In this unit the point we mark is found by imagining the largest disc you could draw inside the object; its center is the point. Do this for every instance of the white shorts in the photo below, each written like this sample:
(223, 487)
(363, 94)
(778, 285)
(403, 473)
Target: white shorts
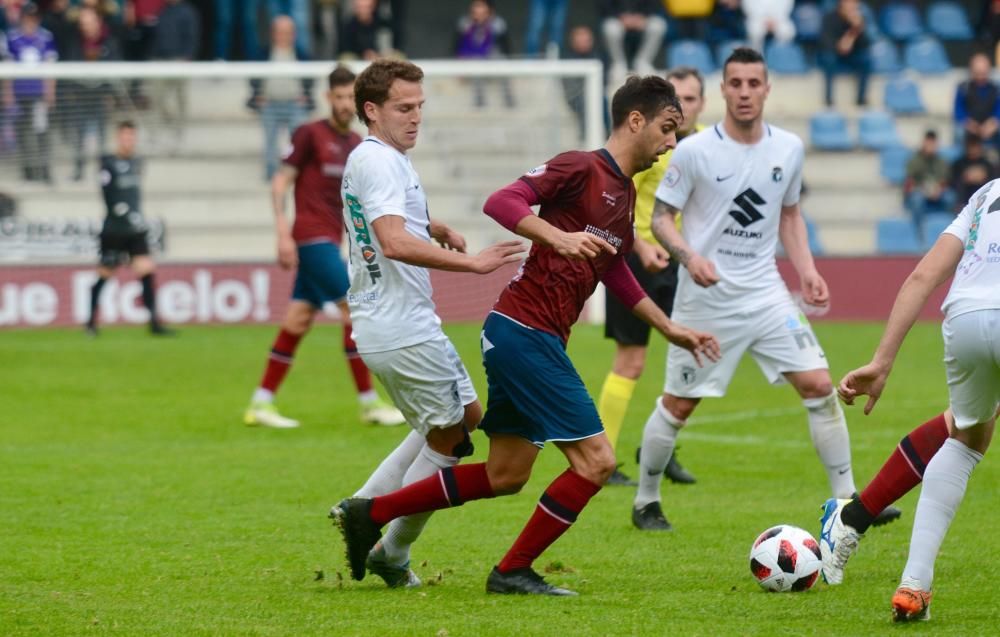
(779, 338)
(426, 381)
(972, 361)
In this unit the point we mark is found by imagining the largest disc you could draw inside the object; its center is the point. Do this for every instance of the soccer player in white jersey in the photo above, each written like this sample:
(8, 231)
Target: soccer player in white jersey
(396, 328)
(737, 187)
(969, 250)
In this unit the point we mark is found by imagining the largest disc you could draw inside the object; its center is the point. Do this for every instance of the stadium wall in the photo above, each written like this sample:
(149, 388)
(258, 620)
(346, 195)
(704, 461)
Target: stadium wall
(219, 293)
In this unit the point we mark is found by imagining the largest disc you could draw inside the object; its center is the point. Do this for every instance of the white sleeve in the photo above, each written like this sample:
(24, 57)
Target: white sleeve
(794, 192)
(962, 224)
(383, 190)
(678, 180)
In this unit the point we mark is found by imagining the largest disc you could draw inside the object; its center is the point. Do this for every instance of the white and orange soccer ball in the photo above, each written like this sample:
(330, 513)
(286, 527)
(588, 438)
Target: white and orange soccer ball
(785, 558)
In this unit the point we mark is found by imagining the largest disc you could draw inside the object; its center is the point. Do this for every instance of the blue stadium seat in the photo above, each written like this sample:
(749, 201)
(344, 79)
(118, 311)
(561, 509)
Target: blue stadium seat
(877, 130)
(786, 58)
(902, 97)
(896, 236)
(808, 19)
(892, 163)
(723, 49)
(948, 21)
(885, 57)
(926, 55)
(690, 53)
(828, 131)
(815, 245)
(901, 21)
(933, 225)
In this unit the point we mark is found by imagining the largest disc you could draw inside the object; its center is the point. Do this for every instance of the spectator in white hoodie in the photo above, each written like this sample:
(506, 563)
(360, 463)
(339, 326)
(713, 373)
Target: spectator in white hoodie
(769, 17)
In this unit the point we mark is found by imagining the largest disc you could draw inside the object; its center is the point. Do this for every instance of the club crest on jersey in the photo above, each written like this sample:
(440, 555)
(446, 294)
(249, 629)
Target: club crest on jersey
(537, 171)
(777, 174)
(688, 375)
(672, 176)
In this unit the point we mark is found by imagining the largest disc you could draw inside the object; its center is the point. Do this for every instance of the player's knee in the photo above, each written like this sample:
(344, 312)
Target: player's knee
(473, 415)
(508, 482)
(817, 386)
(680, 408)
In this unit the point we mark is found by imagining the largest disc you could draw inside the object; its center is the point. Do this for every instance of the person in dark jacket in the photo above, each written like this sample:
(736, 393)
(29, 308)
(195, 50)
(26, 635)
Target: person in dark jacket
(176, 39)
(844, 45)
(977, 103)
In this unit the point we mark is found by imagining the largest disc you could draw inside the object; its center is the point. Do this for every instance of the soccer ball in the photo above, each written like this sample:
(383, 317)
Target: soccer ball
(785, 558)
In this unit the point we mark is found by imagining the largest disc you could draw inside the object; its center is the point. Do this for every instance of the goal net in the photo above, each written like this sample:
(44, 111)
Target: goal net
(205, 153)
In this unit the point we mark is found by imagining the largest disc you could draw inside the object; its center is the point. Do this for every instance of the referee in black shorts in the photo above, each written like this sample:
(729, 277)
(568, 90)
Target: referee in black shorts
(124, 233)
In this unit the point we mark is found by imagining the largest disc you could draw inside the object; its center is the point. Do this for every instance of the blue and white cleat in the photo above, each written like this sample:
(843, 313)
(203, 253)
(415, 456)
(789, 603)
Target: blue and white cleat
(837, 541)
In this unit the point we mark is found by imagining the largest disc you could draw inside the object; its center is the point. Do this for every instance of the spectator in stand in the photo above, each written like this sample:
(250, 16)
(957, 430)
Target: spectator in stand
(927, 186)
(283, 103)
(989, 27)
(581, 47)
(359, 36)
(298, 11)
(977, 103)
(769, 17)
(482, 35)
(88, 100)
(972, 170)
(226, 13)
(727, 22)
(177, 36)
(540, 14)
(621, 17)
(140, 18)
(56, 21)
(844, 48)
(31, 100)
(398, 10)
(690, 18)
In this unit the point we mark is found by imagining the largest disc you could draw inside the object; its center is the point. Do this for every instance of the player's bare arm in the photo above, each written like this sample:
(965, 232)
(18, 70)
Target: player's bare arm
(447, 237)
(288, 256)
(400, 245)
(575, 245)
(664, 226)
(700, 344)
(654, 258)
(933, 270)
(795, 238)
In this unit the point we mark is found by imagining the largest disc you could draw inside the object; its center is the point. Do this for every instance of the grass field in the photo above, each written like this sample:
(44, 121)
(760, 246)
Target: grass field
(134, 502)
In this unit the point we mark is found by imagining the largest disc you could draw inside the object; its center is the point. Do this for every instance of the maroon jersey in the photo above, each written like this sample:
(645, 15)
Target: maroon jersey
(319, 153)
(579, 192)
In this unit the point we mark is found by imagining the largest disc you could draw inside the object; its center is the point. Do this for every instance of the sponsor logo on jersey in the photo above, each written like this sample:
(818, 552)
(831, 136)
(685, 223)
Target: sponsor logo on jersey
(363, 237)
(537, 171)
(608, 198)
(672, 176)
(777, 174)
(614, 240)
(718, 178)
(747, 202)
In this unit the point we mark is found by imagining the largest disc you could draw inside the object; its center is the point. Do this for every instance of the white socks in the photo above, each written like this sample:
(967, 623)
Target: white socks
(389, 475)
(261, 395)
(828, 429)
(945, 479)
(403, 532)
(658, 439)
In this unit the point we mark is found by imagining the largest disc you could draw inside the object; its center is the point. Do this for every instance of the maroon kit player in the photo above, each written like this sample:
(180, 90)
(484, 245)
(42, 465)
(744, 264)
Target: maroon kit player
(581, 237)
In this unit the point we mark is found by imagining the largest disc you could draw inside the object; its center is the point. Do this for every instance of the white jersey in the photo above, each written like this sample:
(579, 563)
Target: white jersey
(976, 285)
(730, 196)
(390, 301)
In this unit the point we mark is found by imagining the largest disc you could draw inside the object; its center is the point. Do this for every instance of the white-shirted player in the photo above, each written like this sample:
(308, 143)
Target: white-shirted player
(395, 326)
(969, 250)
(737, 187)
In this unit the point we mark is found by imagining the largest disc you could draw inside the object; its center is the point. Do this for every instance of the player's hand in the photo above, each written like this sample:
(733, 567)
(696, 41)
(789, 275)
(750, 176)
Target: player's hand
(814, 290)
(654, 258)
(497, 255)
(288, 255)
(864, 381)
(581, 245)
(700, 344)
(449, 239)
(702, 271)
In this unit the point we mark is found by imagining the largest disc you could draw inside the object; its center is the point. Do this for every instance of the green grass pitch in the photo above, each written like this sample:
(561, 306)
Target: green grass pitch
(134, 502)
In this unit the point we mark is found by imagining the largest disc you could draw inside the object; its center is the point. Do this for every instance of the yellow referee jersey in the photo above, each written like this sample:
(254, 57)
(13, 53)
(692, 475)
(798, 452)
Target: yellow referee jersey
(646, 183)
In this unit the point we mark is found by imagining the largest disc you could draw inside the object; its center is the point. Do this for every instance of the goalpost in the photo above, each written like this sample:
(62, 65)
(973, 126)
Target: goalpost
(204, 188)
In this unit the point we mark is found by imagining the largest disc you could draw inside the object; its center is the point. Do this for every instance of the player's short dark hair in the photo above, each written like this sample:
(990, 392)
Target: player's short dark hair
(744, 55)
(127, 123)
(372, 85)
(340, 76)
(649, 95)
(684, 72)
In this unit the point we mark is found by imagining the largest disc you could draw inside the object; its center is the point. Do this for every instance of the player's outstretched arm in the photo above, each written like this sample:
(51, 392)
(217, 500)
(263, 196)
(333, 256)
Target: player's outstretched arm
(795, 238)
(933, 270)
(664, 227)
(288, 256)
(400, 245)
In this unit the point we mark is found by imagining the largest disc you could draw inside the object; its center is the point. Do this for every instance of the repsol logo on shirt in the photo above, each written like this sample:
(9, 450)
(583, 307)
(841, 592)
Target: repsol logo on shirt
(363, 237)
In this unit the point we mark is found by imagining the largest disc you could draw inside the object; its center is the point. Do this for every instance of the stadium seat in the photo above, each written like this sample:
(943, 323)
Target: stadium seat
(948, 21)
(786, 58)
(896, 236)
(892, 163)
(901, 21)
(902, 97)
(815, 245)
(926, 55)
(933, 225)
(690, 53)
(808, 19)
(885, 57)
(723, 49)
(828, 131)
(877, 130)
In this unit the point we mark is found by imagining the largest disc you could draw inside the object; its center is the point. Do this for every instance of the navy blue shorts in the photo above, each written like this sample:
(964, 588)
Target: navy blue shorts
(534, 390)
(322, 275)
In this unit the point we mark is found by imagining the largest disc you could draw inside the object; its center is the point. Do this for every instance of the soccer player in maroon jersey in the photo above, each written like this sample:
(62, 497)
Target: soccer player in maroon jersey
(315, 165)
(580, 237)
